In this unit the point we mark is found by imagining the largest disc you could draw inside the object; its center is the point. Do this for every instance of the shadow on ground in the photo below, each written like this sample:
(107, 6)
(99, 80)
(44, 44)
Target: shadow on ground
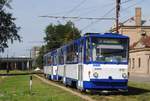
(131, 91)
(136, 91)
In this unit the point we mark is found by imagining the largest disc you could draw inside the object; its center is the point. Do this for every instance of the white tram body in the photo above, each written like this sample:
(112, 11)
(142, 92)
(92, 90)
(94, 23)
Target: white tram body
(94, 62)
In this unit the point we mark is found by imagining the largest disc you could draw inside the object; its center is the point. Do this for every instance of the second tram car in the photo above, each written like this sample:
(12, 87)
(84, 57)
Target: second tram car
(92, 62)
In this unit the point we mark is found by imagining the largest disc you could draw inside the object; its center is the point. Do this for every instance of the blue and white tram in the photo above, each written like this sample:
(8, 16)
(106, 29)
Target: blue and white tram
(50, 65)
(93, 62)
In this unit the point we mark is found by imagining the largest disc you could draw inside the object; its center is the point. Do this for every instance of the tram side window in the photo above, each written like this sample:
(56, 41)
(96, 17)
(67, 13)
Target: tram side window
(72, 53)
(44, 58)
(55, 60)
(61, 57)
(81, 47)
(52, 58)
(88, 50)
(49, 60)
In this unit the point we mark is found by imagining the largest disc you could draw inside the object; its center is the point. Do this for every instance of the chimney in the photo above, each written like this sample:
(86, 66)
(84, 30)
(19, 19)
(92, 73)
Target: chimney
(138, 14)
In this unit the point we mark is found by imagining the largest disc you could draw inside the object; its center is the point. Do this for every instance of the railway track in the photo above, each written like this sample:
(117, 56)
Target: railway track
(76, 93)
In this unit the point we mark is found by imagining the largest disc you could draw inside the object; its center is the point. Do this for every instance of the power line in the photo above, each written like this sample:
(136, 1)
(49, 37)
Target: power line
(77, 6)
(130, 6)
(105, 14)
(97, 21)
(126, 1)
(85, 18)
(135, 4)
(93, 8)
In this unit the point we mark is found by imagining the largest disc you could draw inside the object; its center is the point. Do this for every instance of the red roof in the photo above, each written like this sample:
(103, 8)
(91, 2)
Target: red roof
(144, 41)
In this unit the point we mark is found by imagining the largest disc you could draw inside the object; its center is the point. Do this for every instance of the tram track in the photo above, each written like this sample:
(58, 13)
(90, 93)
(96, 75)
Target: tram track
(74, 92)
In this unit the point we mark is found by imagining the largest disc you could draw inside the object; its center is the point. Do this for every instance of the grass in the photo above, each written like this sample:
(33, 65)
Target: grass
(16, 88)
(136, 92)
(12, 71)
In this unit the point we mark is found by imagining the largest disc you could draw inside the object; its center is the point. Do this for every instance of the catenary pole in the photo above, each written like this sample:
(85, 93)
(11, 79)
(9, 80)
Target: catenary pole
(117, 15)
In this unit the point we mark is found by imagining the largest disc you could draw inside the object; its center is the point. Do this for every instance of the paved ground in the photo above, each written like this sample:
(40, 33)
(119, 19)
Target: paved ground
(85, 97)
(139, 78)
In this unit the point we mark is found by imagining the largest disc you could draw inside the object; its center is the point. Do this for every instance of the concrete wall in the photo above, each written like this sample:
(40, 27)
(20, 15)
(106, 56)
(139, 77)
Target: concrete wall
(139, 61)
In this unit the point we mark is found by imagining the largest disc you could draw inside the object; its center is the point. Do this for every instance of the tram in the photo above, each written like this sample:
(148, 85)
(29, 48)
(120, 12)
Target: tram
(93, 62)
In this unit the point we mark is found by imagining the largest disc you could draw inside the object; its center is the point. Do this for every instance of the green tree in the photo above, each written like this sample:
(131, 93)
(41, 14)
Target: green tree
(39, 59)
(8, 29)
(56, 36)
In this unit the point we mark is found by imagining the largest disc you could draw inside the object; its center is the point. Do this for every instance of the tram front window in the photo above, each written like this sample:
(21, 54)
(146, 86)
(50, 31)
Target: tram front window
(109, 50)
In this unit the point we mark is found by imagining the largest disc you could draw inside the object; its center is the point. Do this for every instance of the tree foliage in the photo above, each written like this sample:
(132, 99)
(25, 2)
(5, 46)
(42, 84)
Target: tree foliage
(56, 36)
(39, 59)
(8, 29)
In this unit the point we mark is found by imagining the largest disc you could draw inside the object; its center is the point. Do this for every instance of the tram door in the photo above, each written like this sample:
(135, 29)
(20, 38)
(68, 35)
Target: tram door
(52, 67)
(80, 65)
(64, 70)
(80, 75)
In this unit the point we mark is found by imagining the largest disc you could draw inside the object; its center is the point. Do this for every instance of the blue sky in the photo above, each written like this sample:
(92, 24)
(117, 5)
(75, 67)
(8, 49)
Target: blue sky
(32, 26)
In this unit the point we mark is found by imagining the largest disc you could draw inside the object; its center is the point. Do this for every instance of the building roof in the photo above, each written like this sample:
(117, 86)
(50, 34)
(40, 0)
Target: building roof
(131, 22)
(144, 42)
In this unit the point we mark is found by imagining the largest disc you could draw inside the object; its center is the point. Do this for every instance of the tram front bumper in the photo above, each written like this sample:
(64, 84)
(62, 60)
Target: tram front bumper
(106, 84)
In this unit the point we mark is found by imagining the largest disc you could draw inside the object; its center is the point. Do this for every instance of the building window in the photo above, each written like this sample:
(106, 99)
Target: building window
(133, 63)
(139, 61)
(129, 62)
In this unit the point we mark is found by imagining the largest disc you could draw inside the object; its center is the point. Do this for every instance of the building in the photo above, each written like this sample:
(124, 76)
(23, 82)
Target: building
(139, 61)
(135, 27)
(138, 30)
(15, 63)
(34, 54)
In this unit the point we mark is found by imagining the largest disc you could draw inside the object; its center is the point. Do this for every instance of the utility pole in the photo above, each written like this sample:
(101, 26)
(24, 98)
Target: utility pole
(118, 2)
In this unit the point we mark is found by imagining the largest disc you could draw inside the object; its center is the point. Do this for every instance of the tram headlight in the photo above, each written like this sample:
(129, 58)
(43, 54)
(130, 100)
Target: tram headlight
(124, 75)
(95, 75)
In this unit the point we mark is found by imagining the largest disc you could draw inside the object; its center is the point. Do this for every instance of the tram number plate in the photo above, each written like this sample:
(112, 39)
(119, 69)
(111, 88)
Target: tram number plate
(96, 65)
(98, 68)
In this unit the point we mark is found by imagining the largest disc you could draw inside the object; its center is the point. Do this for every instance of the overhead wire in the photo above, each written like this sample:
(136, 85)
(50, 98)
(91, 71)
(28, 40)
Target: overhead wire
(79, 5)
(76, 7)
(108, 12)
(93, 8)
(73, 9)
(124, 2)
(133, 5)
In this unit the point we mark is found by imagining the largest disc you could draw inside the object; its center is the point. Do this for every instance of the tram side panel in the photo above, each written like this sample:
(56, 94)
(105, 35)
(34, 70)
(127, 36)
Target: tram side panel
(60, 72)
(54, 72)
(71, 74)
(47, 71)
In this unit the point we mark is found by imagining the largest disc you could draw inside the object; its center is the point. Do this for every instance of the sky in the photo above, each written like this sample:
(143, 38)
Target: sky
(28, 12)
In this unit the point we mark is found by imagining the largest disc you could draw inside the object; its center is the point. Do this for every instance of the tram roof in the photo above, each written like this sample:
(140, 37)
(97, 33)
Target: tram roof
(106, 35)
(100, 35)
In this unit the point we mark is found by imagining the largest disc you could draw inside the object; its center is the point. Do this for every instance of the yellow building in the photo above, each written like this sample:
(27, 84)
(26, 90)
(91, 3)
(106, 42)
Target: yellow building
(139, 32)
